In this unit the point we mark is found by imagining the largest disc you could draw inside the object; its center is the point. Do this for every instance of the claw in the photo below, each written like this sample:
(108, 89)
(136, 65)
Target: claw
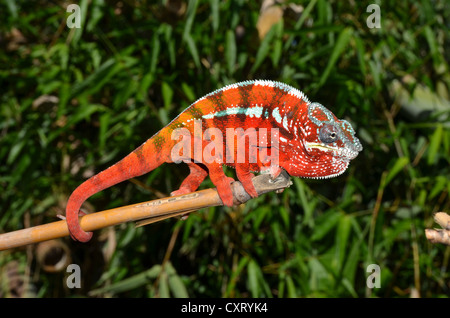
(275, 171)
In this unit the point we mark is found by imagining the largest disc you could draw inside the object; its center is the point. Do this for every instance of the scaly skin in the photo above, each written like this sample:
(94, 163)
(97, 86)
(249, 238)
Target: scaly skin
(309, 141)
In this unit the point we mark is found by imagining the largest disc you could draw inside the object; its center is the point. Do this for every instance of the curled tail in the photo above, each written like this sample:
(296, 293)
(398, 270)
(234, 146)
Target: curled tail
(143, 159)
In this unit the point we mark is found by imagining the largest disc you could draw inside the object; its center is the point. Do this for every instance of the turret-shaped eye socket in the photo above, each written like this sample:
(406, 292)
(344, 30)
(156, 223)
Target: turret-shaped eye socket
(328, 133)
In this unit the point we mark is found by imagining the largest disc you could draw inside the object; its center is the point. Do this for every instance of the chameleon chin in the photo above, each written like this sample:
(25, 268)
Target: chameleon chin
(310, 143)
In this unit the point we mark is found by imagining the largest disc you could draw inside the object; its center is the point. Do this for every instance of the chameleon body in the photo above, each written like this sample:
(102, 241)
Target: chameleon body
(309, 141)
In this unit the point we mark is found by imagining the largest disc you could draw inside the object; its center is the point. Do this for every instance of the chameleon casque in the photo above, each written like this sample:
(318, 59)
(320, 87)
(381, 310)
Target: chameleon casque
(311, 143)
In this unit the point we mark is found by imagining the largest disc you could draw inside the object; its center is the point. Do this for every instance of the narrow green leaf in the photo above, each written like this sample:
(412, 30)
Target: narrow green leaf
(190, 16)
(430, 36)
(300, 21)
(97, 79)
(322, 12)
(342, 235)
(352, 260)
(350, 287)
(263, 49)
(305, 14)
(96, 12)
(252, 270)
(83, 14)
(325, 224)
(145, 84)
(84, 112)
(177, 287)
(281, 286)
(395, 231)
(16, 148)
(163, 286)
(170, 43)
(215, 17)
(375, 70)
(284, 214)
(104, 124)
(398, 166)
(163, 116)
(187, 90)
(306, 203)
(130, 283)
(277, 236)
(318, 275)
(435, 142)
(12, 7)
(360, 50)
(167, 94)
(440, 184)
(278, 44)
(20, 168)
(235, 274)
(339, 48)
(291, 292)
(156, 47)
(230, 50)
(193, 50)
(64, 97)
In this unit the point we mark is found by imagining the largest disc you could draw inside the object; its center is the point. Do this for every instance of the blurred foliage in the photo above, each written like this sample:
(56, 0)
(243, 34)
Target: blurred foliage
(74, 101)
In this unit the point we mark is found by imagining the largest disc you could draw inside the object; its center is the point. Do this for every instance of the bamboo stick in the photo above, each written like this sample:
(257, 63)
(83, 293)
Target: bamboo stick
(440, 235)
(150, 211)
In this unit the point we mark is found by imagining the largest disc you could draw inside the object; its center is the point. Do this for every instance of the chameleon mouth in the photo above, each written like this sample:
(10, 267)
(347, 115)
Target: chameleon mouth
(329, 176)
(345, 154)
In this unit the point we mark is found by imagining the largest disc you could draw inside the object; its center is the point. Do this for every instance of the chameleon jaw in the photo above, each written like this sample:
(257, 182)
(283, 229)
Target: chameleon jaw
(346, 154)
(329, 176)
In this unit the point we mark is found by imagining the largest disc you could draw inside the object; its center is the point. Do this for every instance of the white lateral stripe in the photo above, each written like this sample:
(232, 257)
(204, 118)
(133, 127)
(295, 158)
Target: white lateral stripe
(285, 123)
(276, 115)
(254, 111)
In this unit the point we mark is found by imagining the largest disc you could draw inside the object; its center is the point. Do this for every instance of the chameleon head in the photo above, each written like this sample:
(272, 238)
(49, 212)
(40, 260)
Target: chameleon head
(326, 145)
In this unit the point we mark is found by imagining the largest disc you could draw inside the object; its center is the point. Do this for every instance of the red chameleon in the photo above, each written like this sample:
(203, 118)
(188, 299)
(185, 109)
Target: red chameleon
(310, 142)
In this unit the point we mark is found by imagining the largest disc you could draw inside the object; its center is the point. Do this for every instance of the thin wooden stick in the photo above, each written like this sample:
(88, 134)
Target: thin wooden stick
(153, 211)
(440, 235)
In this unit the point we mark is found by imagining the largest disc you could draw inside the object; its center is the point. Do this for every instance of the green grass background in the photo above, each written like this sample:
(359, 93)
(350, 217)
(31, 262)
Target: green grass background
(75, 101)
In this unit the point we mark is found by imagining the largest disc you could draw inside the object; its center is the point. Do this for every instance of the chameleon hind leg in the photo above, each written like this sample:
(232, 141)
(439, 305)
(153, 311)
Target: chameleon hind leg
(251, 156)
(222, 183)
(245, 177)
(198, 173)
(191, 183)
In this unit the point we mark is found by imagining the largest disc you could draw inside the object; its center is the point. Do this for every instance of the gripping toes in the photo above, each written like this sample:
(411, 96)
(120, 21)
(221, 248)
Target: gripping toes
(245, 177)
(225, 193)
(222, 182)
(193, 180)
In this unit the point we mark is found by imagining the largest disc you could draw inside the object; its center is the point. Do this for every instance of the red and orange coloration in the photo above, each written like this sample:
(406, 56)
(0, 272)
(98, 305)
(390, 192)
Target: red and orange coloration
(310, 142)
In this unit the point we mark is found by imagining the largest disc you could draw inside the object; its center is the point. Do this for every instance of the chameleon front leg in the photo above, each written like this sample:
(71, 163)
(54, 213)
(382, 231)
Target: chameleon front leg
(245, 177)
(222, 183)
(264, 160)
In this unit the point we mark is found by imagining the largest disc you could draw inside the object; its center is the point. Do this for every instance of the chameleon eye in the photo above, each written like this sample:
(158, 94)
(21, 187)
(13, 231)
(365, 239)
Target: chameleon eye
(328, 134)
